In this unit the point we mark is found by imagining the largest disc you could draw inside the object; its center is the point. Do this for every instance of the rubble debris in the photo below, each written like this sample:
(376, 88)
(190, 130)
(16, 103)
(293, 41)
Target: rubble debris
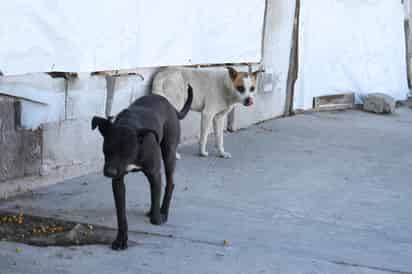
(42, 231)
(379, 103)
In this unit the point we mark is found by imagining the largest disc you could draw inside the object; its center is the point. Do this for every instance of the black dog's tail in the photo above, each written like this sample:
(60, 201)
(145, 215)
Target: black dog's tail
(182, 114)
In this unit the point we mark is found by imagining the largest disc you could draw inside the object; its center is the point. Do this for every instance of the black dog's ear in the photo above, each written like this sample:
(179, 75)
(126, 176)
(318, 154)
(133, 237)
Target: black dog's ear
(97, 122)
(102, 123)
(141, 132)
(232, 73)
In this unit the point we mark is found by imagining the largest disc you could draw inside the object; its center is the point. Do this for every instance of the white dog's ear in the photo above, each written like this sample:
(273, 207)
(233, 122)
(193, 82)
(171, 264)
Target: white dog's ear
(255, 73)
(102, 123)
(232, 73)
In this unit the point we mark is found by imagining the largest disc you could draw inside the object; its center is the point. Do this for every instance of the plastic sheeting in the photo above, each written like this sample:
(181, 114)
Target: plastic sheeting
(42, 35)
(351, 46)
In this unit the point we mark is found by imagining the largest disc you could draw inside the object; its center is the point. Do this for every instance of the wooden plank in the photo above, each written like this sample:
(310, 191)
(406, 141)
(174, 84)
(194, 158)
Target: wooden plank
(20, 148)
(334, 102)
(12, 156)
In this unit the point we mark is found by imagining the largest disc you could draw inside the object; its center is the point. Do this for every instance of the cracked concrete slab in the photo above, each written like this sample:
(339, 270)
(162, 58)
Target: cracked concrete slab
(315, 193)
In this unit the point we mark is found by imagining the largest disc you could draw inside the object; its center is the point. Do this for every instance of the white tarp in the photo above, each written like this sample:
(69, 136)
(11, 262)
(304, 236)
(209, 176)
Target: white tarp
(60, 35)
(351, 46)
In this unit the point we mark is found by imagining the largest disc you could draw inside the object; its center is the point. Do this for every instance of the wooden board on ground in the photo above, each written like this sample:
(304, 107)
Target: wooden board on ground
(334, 102)
(20, 148)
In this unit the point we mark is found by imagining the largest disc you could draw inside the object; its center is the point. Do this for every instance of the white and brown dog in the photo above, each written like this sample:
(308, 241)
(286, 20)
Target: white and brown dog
(215, 94)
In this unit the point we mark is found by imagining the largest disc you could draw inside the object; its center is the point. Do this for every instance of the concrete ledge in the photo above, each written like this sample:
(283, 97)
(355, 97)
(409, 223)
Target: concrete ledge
(42, 97)
(70, 143)
(13, 187)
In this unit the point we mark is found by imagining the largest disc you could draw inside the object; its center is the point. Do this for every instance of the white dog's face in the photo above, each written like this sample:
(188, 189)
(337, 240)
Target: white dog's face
(244, 85)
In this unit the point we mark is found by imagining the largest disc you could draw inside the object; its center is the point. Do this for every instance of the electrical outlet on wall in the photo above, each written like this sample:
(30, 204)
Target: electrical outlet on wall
(266, 81)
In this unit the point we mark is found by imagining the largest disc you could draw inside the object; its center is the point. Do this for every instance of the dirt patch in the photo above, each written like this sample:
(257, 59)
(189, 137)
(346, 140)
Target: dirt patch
(41, 231)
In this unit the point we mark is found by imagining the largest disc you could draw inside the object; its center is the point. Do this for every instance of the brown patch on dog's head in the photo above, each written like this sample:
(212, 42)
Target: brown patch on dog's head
(244, 85)
(238, 79)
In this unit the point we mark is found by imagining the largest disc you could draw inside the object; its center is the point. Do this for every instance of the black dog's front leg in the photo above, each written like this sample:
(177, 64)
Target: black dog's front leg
(119, 192)
(155, 181)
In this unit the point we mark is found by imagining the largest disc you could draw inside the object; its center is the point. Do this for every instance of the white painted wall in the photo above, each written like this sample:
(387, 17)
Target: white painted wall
(351, 46)
(277, 47)
(81, 36)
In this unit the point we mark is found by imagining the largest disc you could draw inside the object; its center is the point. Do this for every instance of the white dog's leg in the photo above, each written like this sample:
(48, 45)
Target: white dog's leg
(206, 122)
(218, 124)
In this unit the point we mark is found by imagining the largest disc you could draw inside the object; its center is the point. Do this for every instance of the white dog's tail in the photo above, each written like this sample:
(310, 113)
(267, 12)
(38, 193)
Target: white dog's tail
(182, 114)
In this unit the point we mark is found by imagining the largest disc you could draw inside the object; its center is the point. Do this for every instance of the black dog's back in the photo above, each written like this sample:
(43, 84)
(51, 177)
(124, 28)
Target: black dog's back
(149, 112)
(155, 101)
(154, 112)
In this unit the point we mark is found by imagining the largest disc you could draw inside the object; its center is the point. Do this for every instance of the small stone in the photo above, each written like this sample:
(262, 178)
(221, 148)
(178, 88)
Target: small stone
(409, 101)
(379, 103)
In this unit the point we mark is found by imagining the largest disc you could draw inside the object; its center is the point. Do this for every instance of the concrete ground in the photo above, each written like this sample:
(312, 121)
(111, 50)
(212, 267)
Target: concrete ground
(314, 193)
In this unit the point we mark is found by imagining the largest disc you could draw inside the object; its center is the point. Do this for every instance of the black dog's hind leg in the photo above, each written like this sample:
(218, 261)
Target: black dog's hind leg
(119, 193)
(155, 181)
(169, 159)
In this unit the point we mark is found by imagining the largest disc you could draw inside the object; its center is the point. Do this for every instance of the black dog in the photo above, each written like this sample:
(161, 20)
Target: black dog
(137, 140)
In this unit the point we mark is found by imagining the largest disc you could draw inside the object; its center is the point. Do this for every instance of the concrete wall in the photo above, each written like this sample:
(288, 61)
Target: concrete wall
(277, 44)
(62, 111)
(351, 46)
